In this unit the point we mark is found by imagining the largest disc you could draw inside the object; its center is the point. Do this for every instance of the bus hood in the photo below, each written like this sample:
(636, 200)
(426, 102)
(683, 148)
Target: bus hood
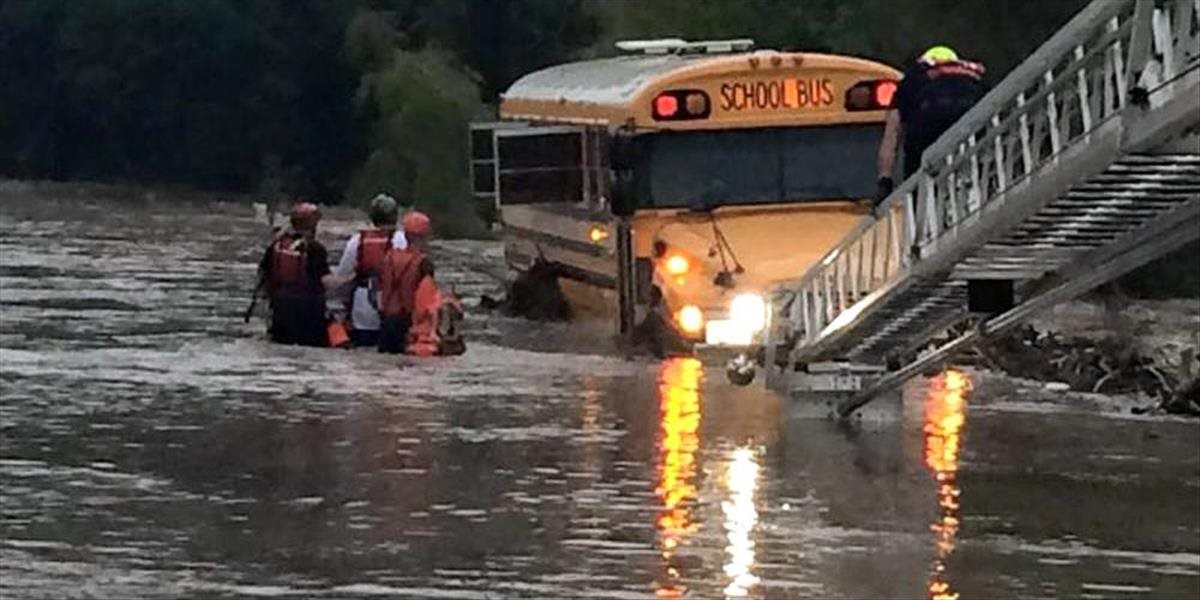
(772, 244)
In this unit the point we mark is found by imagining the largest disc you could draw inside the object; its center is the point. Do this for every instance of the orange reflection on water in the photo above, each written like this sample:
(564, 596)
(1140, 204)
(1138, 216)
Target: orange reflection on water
(679, 425)
(944, 420)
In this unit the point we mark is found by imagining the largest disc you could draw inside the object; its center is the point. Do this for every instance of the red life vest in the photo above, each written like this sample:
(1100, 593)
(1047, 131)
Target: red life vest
(373, 246)
(401, 273)
(288, 263)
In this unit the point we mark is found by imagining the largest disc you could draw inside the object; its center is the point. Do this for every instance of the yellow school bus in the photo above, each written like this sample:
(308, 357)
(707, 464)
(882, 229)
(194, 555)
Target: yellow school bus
(683, 179)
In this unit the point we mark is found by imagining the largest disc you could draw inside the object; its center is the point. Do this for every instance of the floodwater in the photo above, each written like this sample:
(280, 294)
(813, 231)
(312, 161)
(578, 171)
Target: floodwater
(153, 446)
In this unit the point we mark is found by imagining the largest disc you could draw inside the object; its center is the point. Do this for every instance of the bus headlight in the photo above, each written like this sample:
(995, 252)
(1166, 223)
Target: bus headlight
(677, 264)
(749, 311)
(690, 319)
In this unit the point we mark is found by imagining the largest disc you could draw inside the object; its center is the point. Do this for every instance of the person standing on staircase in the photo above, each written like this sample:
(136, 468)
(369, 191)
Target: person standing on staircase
(399, 281)
(935, 92)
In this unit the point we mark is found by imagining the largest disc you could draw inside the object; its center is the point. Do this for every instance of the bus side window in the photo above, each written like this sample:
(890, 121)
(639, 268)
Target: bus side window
(595, 169)
(516, 162)
(539, 165)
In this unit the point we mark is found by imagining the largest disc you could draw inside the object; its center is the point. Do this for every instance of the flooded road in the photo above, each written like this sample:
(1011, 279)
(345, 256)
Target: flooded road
(153, 446)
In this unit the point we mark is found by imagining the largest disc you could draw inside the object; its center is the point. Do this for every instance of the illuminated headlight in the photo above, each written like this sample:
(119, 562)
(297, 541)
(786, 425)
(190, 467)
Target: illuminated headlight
(749, 311)
(690, 319)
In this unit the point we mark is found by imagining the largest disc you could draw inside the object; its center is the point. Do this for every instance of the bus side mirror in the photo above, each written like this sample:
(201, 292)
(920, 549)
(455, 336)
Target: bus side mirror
(624, 155)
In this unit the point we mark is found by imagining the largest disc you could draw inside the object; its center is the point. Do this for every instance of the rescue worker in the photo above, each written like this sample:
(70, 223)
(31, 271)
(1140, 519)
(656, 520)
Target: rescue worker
(294, 271)
(402, 273)
(362, 260)
(937, 90)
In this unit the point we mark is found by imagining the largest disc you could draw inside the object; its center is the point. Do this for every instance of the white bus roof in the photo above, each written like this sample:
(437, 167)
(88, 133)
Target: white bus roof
(603, 81)
(614, 91)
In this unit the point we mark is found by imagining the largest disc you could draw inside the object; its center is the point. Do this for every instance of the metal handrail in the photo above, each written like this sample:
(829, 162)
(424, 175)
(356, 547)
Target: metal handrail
(1054, 100)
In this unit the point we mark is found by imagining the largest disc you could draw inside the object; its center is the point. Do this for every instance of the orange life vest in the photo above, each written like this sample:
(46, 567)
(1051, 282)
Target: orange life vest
(401, 274)
(288, 264)
(338, 334)
(436, 321)
(373, 246)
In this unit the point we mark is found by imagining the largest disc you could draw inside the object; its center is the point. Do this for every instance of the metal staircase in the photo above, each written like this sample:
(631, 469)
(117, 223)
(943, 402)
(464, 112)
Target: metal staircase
(1081, 165)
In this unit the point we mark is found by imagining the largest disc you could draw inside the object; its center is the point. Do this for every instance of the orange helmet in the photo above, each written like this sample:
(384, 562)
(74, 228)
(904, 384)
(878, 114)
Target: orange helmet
(305, 215)
(417, 223)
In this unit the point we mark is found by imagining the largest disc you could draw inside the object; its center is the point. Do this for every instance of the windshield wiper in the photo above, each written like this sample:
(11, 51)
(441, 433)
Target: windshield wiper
(721, 246)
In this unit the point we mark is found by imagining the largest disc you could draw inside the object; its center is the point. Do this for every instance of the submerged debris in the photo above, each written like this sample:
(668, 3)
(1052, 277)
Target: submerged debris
(534, 294)
(1108, 365)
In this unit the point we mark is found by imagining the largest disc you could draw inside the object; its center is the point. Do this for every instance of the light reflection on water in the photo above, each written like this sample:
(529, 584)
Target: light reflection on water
(945, 416)
(679, 405)
(679, 444)
(740, 519)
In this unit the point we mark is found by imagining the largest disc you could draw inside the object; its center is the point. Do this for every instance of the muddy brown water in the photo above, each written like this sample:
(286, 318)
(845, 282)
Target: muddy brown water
(153, 446)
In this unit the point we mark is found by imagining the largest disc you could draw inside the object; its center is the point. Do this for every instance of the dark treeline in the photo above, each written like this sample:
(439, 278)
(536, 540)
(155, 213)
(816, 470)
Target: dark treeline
(337, 98)
(212, 93)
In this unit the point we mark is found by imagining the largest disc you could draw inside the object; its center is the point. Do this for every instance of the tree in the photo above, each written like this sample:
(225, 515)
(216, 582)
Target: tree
(420, 105)
(1000, 34)
(202, 92)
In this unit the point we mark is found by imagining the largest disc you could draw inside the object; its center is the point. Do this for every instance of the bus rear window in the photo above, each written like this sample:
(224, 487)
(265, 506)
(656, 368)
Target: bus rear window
(758, 166)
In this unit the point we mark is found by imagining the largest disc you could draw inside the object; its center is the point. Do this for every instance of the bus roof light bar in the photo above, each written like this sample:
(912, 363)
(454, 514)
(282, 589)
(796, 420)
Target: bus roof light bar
(680, 46)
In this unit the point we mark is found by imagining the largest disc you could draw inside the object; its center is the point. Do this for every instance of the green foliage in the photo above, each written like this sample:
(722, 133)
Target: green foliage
(421, 105)
(213, 93)
(505, 40)
(780, 24)
(1000, 34)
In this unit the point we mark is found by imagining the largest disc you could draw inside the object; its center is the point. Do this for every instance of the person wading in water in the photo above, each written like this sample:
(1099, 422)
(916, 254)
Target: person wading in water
(403, 271)
(294, 271)
(363, 261)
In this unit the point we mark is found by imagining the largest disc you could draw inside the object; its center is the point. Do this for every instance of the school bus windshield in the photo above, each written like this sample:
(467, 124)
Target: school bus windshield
(688, 169)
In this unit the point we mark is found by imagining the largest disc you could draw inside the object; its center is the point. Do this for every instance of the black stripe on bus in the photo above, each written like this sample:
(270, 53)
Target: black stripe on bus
(539, 237)
(574, 211)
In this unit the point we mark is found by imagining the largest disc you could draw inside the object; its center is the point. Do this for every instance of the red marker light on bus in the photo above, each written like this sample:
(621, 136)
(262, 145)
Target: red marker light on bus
(680, 105)
(885, 93)
(665, 106)
(874, 94)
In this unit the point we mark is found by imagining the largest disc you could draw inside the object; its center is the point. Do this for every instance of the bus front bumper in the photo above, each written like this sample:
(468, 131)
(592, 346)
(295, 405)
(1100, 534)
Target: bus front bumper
(738, 325)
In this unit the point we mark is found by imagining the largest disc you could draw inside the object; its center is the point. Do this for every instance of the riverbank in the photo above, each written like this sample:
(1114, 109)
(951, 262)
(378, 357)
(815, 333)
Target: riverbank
(451, 223)
(1145, 352)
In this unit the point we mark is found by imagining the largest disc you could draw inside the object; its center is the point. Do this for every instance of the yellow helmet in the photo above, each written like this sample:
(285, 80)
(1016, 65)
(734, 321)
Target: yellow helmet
(939, 54)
